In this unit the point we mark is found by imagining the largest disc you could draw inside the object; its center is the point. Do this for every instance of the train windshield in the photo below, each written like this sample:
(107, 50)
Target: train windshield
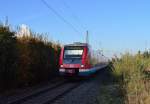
(73, 54)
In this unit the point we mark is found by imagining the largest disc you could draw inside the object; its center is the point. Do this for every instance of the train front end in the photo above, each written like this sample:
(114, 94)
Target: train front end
(74, 60)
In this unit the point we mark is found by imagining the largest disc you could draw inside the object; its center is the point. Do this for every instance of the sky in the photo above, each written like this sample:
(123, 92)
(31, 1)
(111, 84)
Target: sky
(115, 26)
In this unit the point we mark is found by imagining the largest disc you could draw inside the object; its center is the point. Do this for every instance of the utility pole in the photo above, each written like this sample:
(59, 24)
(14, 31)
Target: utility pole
(87, 37)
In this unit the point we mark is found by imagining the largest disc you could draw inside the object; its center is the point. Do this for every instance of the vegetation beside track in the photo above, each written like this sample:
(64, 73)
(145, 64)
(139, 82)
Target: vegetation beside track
(110, 90)
(131, 74)
(26, 60)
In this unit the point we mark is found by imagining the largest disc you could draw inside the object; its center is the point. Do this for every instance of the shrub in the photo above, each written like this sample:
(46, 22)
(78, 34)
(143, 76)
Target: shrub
(38, 60)
(8, 57)
(26, 60)
(133, 81)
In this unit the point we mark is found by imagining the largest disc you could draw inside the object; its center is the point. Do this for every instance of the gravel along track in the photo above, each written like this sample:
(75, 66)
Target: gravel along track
(52, 95)
(63, 92)
(86, 93)
(43, 95)
(25, 95)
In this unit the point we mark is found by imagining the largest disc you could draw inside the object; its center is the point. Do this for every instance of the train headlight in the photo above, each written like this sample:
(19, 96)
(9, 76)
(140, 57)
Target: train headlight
(61, 65)
(82, 66)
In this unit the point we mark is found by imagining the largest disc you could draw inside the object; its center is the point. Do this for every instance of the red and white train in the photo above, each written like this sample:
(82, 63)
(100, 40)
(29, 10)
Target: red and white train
(76, 59)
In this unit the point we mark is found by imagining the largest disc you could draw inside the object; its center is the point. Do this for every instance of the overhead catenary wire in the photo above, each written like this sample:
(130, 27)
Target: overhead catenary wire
(60, 16)
(74, 15)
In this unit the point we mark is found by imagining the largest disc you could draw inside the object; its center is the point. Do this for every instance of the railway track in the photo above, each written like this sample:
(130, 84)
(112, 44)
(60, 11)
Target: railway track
(45, 95)
(50, 101)
(52, 92)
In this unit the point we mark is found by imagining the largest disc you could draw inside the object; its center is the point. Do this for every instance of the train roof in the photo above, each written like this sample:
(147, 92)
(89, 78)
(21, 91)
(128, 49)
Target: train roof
(77, 44)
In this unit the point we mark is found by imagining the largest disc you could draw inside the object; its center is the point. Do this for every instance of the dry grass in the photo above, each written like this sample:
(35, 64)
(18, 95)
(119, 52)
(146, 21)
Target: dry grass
(110, 90)
(130, 71)
(110, 94)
